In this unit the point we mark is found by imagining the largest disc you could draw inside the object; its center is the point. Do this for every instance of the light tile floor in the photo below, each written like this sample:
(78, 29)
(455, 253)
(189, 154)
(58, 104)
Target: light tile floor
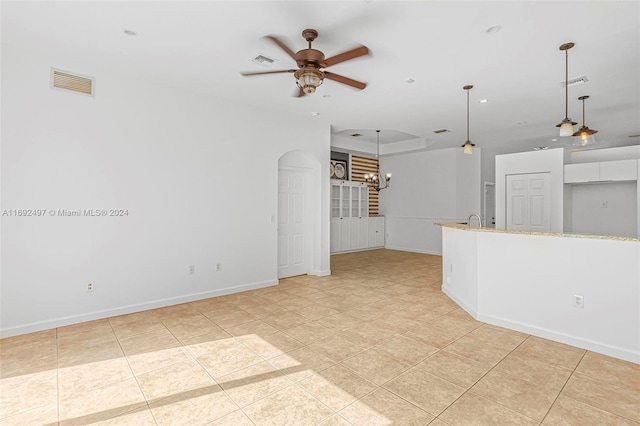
(376, 343)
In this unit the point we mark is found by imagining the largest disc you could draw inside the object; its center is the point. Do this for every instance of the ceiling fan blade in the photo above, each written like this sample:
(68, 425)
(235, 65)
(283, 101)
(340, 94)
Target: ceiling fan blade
(246, 74)
(345, 56)
(282, 46)
(345, 80)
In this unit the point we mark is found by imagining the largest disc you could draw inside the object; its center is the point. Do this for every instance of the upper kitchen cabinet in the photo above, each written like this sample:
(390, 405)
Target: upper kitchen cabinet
(605, 171)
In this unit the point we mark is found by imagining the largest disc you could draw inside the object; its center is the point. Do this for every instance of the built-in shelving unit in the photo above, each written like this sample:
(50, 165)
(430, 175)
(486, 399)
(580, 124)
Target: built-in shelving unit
(351, 227)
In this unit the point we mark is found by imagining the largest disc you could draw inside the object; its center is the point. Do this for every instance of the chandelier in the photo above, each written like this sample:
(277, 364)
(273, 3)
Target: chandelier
(376, 180)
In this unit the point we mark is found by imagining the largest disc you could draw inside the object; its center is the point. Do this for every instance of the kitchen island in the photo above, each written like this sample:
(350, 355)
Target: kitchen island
(582, 290)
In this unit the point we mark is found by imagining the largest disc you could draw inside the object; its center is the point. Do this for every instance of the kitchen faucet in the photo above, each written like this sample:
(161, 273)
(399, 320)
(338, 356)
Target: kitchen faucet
(479, 220)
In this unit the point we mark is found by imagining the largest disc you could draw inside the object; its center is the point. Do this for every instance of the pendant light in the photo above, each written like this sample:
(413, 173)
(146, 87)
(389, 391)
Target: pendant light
(375, 180)
(467, 148)
(566, 125)
(585, 132)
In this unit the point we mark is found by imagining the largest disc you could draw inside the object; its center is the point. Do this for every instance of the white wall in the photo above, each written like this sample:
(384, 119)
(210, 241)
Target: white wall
(549, 161)
(197, 175)
(583, 211)
(527, 283)
(428, 187)
(619, 217)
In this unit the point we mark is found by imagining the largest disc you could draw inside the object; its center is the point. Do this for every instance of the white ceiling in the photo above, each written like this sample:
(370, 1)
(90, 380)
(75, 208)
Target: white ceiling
(442, 45)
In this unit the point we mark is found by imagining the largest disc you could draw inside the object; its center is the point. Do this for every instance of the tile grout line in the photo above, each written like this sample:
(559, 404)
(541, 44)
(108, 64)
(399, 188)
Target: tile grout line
(57, 377)
(135, 377)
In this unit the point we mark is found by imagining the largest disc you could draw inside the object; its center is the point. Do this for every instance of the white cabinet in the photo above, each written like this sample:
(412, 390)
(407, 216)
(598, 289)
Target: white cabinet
(585, 172)
(619, 170)
(349, 199)
(376, 231)
(606, 171)
(351, 226)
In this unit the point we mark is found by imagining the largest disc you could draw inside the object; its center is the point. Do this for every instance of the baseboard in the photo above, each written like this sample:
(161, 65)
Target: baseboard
(129, 309)
(614, 351)
(414, 250)
(320, 273)
(356, 250)
(471, 310)
(602, 348)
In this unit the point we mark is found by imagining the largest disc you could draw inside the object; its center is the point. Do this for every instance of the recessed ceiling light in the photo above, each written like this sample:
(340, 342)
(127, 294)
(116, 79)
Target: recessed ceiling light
(130, 33)
(492, 30)
(540, 148)
(483, 101)
(409, 80)
(315, 114)
(356, 135)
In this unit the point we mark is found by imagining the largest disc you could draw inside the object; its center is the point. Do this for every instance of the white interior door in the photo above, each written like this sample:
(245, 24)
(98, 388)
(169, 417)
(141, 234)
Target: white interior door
(293, 221)
(527, 203)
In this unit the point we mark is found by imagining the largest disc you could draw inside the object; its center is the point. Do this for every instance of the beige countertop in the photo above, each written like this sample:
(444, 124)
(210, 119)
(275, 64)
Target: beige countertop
(465, 227)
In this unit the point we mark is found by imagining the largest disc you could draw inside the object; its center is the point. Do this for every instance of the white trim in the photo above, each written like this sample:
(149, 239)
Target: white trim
(413, 250)
(545, 333)
(568, 339)
(107, 313)
(322, 273)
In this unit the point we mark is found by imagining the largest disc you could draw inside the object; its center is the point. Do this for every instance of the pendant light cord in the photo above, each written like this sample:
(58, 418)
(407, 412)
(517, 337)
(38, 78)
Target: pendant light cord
(378, 155)
(566, 84)
(467, 115)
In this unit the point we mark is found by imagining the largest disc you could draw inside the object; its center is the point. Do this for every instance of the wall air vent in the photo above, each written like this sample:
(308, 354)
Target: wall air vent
(574, 81)
(66, 80)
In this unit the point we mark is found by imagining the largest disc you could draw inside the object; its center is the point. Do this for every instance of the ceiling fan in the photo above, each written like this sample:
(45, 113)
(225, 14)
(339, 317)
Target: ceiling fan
(309, 74)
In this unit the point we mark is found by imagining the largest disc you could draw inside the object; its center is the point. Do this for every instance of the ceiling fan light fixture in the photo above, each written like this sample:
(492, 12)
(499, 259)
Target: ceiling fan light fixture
(308, 79)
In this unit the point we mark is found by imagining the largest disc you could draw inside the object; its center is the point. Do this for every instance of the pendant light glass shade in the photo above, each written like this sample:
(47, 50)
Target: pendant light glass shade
(566, 125)
(566, 128)
(467, 148)
(585, 134)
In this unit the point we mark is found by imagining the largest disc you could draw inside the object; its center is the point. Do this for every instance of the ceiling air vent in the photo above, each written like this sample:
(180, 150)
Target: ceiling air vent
(437, 132)
(73, 82)
(263, 60)
(574, 81)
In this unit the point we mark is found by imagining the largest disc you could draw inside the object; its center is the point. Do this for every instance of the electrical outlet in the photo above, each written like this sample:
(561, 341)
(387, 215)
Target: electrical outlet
(218, 267)
(90, 286)
(192, 270)
(578, 301)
